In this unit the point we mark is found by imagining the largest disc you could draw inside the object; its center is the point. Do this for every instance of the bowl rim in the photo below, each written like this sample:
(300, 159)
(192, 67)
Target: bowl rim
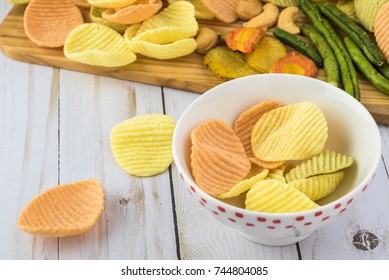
(351, 194)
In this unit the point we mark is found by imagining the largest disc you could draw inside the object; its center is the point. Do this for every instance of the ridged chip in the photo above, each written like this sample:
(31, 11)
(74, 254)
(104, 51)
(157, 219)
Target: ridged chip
(224, 10)
(111, 3)
(173, 23)
(82, 3)
(366, 11)
(284, 3)
(274, 196)
(319, 186)
(381, 30)
(291, 132)
(244, 124)
(202, 12)
(135, 13)
(99, 45)
(323, 163)
(347, 7)
(218, 159)
(244, 185)
(64, 210)
(48, 22)
(95, 14)
(142, 145)
(277, 173)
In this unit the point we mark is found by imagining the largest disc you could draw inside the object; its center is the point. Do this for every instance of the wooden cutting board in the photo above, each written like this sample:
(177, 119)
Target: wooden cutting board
(186, 73)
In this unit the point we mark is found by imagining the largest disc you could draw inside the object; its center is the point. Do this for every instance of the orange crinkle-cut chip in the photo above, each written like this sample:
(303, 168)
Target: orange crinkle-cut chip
(64, 210)
(218, 159)
(48, 22)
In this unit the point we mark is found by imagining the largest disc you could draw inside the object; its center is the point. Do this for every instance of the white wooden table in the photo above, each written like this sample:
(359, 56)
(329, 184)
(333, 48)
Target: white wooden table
(55, 128)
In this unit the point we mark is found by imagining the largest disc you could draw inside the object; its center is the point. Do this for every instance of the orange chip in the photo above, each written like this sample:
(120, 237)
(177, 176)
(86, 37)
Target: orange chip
(48, 22)
(224, 10)
(218, 158)
(135, 13)
(381, 30)
(244, 125)
(64, 210)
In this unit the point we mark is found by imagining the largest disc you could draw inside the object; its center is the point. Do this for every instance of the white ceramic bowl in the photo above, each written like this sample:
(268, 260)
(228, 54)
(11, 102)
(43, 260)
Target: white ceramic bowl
(351, 128)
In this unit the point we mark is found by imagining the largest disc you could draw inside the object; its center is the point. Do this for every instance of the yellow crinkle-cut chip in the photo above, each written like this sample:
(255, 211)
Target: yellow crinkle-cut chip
(111, 3)
(274, 196)
(291, 132)
(284, 3)
(366, 11)
(142, 145)
(64, 210)
(244, 185)
(325, 162)
(277, 173)
(319, 186)
(95, 15)
(174, 23)
(202, 12)
(347, 7)
(99, 45)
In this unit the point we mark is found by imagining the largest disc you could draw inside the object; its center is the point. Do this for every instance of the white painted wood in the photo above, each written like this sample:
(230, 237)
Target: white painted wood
(137, 222)
(202, 236)
(28, 152)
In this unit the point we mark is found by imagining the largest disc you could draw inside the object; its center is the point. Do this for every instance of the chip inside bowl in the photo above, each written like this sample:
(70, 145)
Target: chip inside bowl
(218, 159)
(292, 132)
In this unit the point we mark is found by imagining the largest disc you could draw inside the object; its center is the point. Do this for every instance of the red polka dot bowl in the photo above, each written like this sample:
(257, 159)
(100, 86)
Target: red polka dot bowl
(351, 131)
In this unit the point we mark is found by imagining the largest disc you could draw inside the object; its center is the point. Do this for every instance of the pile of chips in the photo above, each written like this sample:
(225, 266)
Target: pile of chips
(255, 157)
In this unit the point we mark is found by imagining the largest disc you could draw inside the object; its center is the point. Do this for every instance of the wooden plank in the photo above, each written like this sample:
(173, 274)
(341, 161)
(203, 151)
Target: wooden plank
(186, 73)
(137, 222)
(362, 233)
(28, 152)
(200, 235)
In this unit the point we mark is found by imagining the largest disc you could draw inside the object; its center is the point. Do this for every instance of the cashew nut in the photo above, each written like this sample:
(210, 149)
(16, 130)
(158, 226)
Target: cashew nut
(247, 9)
(267, 18)
(206, 39)
(287, 18)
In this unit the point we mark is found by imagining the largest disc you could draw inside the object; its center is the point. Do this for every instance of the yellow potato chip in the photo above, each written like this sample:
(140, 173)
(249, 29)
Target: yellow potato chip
(244, 185)
(166, 51)
(325, 162)
(111, 3)
(202, 12)
(319, 186)
(366, 11)
(277, 173)
(95, 14)
(174, 23)
(274, 196)
(347, 7)
(99, 45)
(218, 159)
(291, 132)
(18, 2)
(284, 3)
(64, 210)
(142, 145)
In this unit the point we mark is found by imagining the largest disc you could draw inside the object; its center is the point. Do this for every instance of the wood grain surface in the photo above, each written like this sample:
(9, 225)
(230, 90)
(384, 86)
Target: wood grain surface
(186, 73)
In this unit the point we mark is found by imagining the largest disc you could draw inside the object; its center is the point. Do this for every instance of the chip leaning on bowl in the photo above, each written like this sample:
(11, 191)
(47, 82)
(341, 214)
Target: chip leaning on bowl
(346, 177)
